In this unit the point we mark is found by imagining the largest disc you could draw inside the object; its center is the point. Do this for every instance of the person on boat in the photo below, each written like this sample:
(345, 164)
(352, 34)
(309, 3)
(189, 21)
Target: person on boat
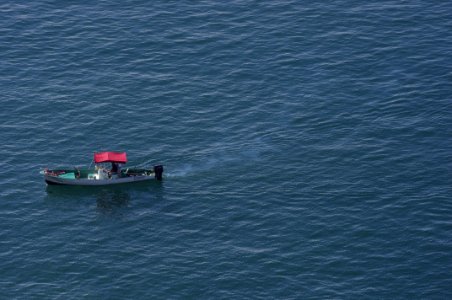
(77, 173)
(101, 172)
(114, 167)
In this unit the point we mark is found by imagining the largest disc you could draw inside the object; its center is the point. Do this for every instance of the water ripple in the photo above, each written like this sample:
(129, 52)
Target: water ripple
(306, 148)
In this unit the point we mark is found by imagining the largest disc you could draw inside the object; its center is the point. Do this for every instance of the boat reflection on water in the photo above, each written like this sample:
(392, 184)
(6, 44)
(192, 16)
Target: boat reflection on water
(108, 198)
(108, 201)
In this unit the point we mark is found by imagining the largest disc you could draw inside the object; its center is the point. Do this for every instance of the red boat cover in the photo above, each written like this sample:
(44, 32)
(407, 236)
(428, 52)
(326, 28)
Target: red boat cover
(118, 157)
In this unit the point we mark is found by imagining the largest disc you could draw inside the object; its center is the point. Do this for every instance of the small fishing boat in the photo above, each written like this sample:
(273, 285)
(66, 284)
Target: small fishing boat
(101, 174)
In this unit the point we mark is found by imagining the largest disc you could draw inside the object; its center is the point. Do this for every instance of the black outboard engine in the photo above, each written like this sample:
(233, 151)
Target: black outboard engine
(158, 172)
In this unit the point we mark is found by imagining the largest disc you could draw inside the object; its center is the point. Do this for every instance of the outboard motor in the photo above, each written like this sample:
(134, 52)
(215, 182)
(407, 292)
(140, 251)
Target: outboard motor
(158, 172)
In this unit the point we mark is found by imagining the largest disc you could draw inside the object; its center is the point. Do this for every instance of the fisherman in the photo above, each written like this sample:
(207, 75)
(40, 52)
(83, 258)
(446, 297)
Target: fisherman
(101, 172)
(114, 167)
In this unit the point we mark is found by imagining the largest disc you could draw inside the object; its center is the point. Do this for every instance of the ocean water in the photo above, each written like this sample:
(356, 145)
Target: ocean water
(307, 149)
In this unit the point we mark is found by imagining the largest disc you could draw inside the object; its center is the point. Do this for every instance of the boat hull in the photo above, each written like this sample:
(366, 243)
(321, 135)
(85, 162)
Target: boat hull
(55, 180)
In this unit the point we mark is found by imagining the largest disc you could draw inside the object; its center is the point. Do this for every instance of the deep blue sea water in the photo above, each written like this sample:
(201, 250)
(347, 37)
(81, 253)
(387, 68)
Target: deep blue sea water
(307, 148)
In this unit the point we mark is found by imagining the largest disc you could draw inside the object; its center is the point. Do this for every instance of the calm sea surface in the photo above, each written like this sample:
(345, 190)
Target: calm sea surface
(307, 147)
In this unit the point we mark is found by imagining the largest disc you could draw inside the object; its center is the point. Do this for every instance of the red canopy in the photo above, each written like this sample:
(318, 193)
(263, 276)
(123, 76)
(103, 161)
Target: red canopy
(117, 157)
